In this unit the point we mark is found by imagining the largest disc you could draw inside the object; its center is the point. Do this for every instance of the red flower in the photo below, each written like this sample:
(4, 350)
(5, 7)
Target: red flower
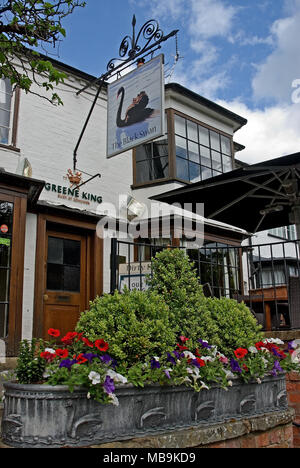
(68, 338)
(87, 342)
(240, 353)
(53, 332)
(48, 356)
(260, 345)
(182, 348)
(101, 345)
(81, 359)
(245, 368)
(62, 353)
(200, 362)
(183, 339)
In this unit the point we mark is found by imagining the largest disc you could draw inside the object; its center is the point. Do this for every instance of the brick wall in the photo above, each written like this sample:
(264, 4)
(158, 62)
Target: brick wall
(280, 437)
(293, 389)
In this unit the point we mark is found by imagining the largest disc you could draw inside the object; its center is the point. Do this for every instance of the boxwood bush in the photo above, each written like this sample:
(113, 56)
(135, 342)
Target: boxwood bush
(237, 327)
(136, 325)
(175, 279)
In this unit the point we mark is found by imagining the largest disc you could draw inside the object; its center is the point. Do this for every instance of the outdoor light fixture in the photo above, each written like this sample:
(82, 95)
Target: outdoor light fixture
(271, 209)
(24, 168)
(135, 209)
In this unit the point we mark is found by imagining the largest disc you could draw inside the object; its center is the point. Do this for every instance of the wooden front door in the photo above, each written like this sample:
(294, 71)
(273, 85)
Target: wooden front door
(65, 289)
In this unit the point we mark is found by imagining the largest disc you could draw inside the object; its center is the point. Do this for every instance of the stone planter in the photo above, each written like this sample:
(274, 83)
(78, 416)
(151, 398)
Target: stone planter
(45, 416)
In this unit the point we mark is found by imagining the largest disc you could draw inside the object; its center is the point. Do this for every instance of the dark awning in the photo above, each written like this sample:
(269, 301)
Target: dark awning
(32, 187)
(255, 198)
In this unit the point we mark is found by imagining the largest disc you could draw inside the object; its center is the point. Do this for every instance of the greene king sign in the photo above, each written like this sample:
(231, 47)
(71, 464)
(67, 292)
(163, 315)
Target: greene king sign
(136, 108)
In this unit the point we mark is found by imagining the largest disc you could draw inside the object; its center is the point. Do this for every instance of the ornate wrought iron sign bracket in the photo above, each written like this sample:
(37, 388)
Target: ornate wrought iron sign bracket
(132, 49)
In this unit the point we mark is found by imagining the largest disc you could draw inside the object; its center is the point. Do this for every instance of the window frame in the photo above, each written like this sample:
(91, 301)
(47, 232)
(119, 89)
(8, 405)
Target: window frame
(170, 114)
(13, 121)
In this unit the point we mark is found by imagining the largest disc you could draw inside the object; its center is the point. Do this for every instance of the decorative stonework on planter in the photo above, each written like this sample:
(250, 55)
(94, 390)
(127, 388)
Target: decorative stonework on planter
(45, 416)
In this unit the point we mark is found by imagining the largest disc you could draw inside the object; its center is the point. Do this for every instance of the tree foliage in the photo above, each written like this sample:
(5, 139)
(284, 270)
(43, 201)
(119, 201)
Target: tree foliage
(25, 25)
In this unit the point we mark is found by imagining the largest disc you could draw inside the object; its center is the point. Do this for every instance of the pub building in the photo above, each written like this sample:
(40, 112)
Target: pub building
(52, 262)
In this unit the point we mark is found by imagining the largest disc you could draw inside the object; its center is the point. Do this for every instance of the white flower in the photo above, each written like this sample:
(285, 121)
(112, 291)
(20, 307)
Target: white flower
(273, 341)
(94, 377)
(50, 350)
(258, 381)
(296, 356)
(189, 355)
(229, 374)
(230, 383)
(253, 350)
(203, 385)
(118, 378)
(113, 399)
(207, 358)
(88, 395)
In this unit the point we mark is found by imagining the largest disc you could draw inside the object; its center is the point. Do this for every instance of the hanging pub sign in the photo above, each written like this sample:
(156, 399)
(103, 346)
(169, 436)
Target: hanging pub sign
(136, 108)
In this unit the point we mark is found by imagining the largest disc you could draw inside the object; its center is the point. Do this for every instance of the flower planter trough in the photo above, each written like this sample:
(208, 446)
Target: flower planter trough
(46, 416)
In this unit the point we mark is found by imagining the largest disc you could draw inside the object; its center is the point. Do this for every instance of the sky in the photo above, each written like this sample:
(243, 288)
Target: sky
(242, 54)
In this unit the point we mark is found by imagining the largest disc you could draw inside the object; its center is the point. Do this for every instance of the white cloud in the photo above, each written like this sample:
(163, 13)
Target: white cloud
(270, 133)
(274, 77)
(211, 18)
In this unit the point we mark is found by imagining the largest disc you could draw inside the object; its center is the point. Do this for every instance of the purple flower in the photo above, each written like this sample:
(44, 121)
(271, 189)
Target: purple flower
(90, 356)
(292, 345)
(204, 344)
(106, 358)
(235, 366)
(276, 368)
(109, 386)
(170, 358)
(155, 364)
(67, 363)
(167, 373)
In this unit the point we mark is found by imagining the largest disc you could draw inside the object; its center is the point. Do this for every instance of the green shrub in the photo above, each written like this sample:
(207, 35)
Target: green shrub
(236, 325)
(175, 280)
(30, 366)
(135, 324)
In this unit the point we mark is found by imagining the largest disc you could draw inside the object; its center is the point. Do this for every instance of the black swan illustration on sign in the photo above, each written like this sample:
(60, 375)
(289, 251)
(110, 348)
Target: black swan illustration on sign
(136, 112)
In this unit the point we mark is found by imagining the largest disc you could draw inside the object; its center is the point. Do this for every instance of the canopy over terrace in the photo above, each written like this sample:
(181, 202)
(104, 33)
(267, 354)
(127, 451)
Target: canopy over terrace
(254, 198)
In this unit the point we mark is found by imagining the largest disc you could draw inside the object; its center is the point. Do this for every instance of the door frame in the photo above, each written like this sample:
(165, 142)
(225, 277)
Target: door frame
(94, 271)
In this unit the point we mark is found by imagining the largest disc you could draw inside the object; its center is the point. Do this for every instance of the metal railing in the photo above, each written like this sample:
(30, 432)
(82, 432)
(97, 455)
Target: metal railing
(264, 276)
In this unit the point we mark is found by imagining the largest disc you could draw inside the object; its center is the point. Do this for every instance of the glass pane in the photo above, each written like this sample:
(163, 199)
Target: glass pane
(72, 279)
(215, 141)
(182, 169)
(226, 145)
(179, 125)
(143, 152)
(216, 160)
(216, 173)
(181, 147)
(3, 321)
(205, 156)
(6, 211)
(5, 252)
(203, 135)
(193, 151)
(55, 277)
(55, 250)
(192, 131)
(227, 164)
(194, 172)
(4, 284)
(205, 173)
(144, 172)
(160, 148)
(71, 252)
(161, 168)
(5, 93)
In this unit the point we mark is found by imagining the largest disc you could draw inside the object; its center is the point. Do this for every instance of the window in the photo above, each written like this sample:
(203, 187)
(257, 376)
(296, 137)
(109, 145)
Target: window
(188, 151)
(218, 265)
(5, 110)
(63, 265)
(152, 160)
(201, 153)
(286, 232)
(6, 221)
